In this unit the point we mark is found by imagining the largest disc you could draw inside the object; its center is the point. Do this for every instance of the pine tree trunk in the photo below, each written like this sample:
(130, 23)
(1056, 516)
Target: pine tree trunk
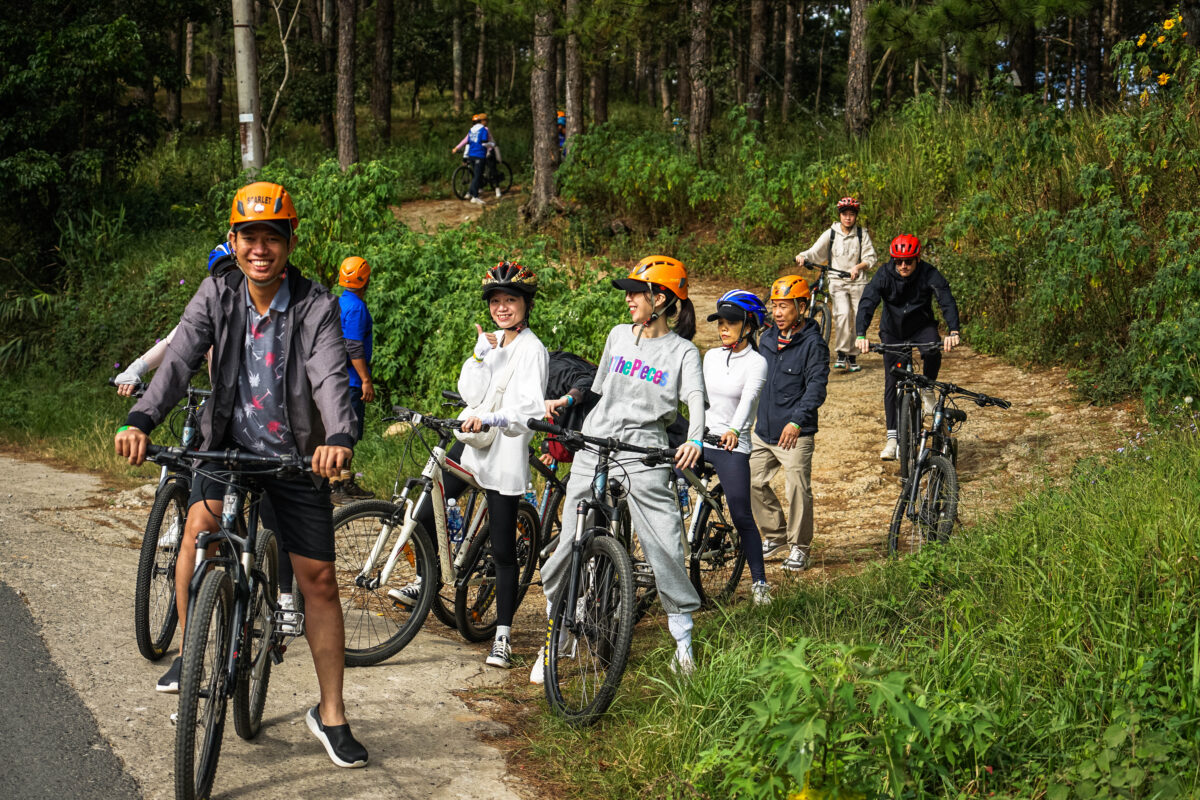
(175, 37)
(347, 136)
(189, 47)
(821, 61)
(456, 50)
(789, 59)
(698, 68)
(1112, 34)
(481, 24)
(684, 52)
(322, 16)
(541, 199)
(664, 85)
(214, 82)
(574, 77)
(381, 77)
(858, 68)
(1095, 80)
(757, 55)
(599, 92)
(1023, 52)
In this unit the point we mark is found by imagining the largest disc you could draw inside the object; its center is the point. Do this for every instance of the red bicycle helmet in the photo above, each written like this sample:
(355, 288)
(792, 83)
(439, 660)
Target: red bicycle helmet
(905, 246)
(848, 202)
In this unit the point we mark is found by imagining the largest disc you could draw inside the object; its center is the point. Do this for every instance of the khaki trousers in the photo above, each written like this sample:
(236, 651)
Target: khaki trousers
(845, 297)
(765, 461)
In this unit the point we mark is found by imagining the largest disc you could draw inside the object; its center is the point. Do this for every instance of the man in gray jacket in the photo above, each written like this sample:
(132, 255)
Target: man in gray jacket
(279, 386)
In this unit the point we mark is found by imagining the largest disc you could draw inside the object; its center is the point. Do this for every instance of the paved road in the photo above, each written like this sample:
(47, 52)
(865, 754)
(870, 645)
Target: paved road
(49, 743)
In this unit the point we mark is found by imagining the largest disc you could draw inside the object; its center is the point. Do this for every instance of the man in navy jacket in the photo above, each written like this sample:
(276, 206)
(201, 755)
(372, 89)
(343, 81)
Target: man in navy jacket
(906, 286)
(797, 374)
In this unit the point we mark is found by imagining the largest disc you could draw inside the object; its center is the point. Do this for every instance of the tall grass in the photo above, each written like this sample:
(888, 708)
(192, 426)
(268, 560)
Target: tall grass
(1051, 651)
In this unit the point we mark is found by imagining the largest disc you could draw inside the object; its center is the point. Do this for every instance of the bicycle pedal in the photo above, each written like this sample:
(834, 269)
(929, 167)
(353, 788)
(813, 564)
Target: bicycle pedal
(643, 574)
(289, 623)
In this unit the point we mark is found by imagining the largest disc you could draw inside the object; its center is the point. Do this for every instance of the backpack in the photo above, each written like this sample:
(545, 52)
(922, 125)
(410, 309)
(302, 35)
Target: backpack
(568, 371)
(829, 249)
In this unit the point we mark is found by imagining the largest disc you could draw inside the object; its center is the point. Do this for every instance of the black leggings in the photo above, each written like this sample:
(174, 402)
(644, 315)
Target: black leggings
(733, 469)
(931, 361)
(502, 527)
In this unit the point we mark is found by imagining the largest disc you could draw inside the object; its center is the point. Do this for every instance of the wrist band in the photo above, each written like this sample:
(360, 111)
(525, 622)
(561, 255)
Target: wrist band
(123, 428)
(478, 360)
(697, 442)
(734, 431)
(570, 400)
(860, 337)
(796, 425)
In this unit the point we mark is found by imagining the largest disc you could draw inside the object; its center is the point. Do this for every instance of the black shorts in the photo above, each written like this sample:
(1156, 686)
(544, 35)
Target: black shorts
(300, 514)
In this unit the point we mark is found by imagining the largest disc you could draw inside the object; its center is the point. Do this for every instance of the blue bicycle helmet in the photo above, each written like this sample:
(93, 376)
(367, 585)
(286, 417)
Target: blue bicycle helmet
(740, 306)
(221, 258)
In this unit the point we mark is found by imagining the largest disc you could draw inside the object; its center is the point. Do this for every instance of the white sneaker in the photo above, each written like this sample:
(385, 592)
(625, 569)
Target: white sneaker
(407, 595)
(770, 549)
(682, 663)
(290, 623)
(537, 675)
(796, 560)
(477, 201)
(501, 655)
(928, 401)
(760, 593)
(891, 450)
(498, 193)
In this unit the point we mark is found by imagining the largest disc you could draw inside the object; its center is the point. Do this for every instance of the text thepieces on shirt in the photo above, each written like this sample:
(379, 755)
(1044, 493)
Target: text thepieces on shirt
(638, 369)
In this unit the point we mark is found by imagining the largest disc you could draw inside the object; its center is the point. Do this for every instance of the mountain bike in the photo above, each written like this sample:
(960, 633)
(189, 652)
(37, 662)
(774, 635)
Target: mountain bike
(928, 505)
(714, 553)
(909, 409)
(496, 175)
(233, 636)
(590, 629)
(820, 308)
(154, 614)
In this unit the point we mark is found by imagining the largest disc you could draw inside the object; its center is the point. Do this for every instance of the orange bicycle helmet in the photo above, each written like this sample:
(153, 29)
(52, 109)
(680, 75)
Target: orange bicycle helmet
(790, 287)
(263, 203)
(664, 271)
(479, 118)
(354, 273)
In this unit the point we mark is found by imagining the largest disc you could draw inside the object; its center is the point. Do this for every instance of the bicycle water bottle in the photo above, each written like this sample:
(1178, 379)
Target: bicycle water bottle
(454, 521)
(682, 487)
(530, 494)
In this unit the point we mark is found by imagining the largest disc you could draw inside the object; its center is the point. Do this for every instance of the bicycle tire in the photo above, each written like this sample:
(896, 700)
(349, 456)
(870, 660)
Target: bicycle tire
(908, 432)
(574, 687)
(551, 523)
(505, 174)
(475, 596)
(154, 614)
(378, 627)
(460, 181)
(820, 315)
(254, 655)
(933, 520)
(717, 560)
(203, 683)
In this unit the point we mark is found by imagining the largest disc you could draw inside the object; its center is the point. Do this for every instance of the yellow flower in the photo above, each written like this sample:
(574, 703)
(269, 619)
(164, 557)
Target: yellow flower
(1163, 78)
(1141, 40)
(1161, 39)
(1168, 25)
(1162, 164)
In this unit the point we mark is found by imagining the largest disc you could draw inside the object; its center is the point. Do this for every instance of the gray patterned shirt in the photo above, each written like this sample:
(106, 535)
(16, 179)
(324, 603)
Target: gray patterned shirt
(259, 421)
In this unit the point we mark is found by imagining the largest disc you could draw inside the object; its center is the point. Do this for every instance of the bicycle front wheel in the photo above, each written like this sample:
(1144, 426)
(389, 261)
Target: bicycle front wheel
(908, 432)
(504, 177)
(717, 558)
(585, 660)
(254, 658)
(460, 182)
(377, 625)
(930, 517)
(202, 688)
(154, 614)
(822, 317)
(475, 599)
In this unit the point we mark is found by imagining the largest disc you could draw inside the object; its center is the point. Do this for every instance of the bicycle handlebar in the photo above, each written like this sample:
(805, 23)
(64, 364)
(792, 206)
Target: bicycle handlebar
(841, 273)
(230, 459)
(408, 415)
(900, 348)
(453, 398)
(950, 388)
(139, 388)
(575, 438)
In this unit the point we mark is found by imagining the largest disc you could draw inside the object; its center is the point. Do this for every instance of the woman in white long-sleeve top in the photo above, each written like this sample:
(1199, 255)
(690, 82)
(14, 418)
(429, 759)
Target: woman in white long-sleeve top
(512, 362)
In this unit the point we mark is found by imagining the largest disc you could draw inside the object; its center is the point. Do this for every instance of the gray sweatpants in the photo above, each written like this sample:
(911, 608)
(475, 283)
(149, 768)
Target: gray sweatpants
(654, 512)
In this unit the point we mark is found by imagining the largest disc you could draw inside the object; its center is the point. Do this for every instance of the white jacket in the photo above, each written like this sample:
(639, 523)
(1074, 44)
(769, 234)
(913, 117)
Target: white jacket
(845, 252)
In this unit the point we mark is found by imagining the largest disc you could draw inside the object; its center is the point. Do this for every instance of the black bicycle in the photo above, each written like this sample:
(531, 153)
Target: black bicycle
(928, 505)
(591, 624)
(497, 176)
(155, 617)
(909, 408)
(233, 636)
(820, 308)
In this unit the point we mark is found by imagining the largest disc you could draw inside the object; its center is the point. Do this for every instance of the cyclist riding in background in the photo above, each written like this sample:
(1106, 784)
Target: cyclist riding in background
(561, 126)
(220, 261)
(647, 369)
(734, 374)
(906, 286)
(278, 387)
(846, 246)
(480, 147)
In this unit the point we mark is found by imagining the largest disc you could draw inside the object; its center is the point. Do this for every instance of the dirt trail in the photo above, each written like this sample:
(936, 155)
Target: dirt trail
(429, 215)
(70, 553)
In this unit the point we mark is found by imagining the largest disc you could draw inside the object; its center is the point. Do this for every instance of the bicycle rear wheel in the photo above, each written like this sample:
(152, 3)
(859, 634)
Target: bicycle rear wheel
(475, 599)
(255, 657)
(203, 687)
(585, 663)
(930, 518)
(717, 558)
(504, 177)
(378, 627)
(154, 614)
(908, 432)
(460, 181)
(822, 317)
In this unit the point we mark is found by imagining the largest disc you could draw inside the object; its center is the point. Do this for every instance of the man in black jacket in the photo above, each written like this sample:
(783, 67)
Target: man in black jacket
(906, 286)
(797, 373)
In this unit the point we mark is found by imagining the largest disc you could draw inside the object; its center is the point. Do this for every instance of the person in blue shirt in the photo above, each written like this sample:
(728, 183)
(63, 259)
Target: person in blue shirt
(354, 276)
(479, 144)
